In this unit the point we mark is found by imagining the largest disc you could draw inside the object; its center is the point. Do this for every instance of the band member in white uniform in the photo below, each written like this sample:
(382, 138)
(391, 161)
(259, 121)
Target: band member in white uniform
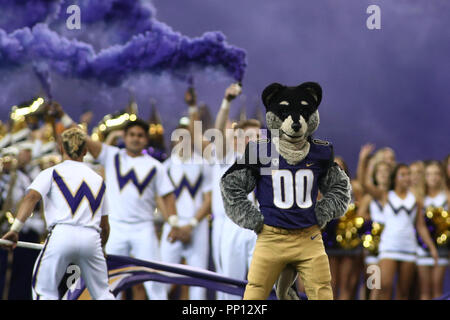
(77, 219)
(134, 180)
(232, 246)
(188, 175)
(431, 277)
(398, 244)
(237, 244)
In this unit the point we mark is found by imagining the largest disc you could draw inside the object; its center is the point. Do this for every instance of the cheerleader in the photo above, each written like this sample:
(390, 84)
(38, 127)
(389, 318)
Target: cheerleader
(431, 276)
(345, 264)
(377, 170)
(418, 189)
(398, 244)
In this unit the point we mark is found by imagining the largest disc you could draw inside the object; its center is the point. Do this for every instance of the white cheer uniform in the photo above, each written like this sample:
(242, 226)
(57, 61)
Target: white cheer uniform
(398, 239)
(132, 184)
(423, 256)
(376, 215)
(73, 197)
(188, 178)
(232, 245)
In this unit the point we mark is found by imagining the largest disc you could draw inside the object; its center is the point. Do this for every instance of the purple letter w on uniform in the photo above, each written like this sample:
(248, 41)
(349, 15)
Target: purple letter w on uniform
(83, 191)
(123, 180)
(192, 189)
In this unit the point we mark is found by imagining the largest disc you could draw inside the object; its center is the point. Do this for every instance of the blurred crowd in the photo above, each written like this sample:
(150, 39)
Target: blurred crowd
(377, 250)
(372, 251)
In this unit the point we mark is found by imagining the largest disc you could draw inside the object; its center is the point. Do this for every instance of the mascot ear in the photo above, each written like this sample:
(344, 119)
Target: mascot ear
(315, 89)
(269, 92)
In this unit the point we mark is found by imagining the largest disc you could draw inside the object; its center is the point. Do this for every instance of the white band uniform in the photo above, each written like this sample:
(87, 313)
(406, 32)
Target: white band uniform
(232, 245)
(132, 186)
(188, 178)
(74, 225)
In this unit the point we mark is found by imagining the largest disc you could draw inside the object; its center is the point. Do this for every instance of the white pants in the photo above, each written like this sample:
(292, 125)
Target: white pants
(68, 244)
(216, 234)
(140, 241)
(195, 253)
(236, 251)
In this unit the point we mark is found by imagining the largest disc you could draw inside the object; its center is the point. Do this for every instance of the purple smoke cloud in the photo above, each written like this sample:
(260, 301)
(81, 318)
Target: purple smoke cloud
(16, 14)
(161, 50)
(117, 21)
(118, 40)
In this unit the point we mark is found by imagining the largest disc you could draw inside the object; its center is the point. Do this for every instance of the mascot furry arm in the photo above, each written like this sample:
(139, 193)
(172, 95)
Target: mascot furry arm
(235, 186)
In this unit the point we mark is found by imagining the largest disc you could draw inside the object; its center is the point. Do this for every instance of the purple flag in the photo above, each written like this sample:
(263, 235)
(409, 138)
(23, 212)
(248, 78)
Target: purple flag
(124, 272)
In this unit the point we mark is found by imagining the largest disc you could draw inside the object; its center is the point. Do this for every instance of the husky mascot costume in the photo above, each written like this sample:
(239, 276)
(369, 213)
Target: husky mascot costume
(288, 169)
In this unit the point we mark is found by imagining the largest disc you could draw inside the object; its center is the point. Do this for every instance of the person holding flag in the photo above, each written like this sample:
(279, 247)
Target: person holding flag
(77, 221)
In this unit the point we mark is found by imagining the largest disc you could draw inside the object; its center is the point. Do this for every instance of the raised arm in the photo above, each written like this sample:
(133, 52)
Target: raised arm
(113, 136)
(199, 142)
(94, 147)
(223, 115)
(376, 192)
(363, 208)
(364, 155)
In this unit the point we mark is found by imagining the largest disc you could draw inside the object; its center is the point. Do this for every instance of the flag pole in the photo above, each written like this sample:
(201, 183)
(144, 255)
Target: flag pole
(22, 244)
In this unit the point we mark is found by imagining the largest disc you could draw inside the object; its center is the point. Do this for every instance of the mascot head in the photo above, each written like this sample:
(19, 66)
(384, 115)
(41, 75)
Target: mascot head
(292, 111)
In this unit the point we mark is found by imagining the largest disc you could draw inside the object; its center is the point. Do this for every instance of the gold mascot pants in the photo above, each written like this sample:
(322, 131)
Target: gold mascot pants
(301, 248)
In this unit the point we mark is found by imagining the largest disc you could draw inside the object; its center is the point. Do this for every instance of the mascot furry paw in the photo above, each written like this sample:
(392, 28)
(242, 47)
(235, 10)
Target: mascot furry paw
(288, 170)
